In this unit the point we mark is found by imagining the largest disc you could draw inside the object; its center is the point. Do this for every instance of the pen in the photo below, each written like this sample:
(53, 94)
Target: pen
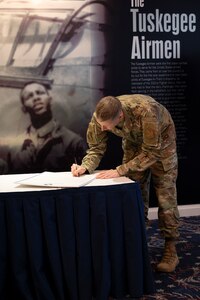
(75, 160)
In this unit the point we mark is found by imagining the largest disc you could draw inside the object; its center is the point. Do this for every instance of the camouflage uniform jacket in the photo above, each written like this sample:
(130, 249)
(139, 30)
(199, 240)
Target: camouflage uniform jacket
(148, 135)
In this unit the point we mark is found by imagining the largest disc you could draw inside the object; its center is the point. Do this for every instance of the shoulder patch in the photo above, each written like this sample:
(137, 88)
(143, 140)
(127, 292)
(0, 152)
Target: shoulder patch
(150, 133)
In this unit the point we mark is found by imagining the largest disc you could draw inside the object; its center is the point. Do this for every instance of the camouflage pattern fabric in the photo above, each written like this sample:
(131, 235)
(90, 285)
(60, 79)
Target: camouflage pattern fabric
(149, 145)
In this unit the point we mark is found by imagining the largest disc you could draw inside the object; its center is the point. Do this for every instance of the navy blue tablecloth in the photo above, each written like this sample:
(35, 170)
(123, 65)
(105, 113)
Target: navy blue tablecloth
(74, 244)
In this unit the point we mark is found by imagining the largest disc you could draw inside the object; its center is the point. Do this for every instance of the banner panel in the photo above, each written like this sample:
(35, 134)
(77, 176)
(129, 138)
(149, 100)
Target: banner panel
(83, 50)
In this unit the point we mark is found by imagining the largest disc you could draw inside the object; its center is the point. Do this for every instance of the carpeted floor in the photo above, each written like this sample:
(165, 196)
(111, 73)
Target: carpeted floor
(185, 282)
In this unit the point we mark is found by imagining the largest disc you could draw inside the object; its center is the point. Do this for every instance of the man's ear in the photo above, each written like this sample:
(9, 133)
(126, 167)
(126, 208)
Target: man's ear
(121, 115)
(50, 98)
(24, 109)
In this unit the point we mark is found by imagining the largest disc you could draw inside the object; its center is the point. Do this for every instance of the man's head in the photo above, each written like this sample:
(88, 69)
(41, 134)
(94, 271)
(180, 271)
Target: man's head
(35, 98)
(109, 112)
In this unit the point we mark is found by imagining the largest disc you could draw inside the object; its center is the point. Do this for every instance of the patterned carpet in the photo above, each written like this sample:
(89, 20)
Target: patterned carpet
(185, 282)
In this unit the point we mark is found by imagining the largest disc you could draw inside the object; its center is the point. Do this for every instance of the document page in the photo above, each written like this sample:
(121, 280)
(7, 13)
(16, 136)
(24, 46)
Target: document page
(57, 179)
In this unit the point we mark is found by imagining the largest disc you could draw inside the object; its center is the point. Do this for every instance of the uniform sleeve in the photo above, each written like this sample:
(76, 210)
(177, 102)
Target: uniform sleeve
(149, 149)
(97, 143)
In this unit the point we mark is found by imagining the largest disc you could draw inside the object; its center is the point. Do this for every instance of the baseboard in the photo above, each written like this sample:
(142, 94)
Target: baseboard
(184, 210)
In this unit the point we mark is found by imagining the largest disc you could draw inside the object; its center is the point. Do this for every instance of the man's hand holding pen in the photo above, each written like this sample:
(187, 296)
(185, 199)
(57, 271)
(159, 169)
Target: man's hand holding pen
(77, 170)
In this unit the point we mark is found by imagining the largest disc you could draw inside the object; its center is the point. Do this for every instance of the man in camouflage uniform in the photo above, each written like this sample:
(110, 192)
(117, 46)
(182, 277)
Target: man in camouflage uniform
(149, 146)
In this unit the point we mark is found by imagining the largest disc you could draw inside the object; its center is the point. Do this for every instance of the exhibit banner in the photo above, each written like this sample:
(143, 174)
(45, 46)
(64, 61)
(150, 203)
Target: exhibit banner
(80, 51)
(163, 58)
(54, 67)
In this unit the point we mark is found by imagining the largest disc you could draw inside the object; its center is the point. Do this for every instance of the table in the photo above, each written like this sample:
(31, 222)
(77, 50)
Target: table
(73, 244)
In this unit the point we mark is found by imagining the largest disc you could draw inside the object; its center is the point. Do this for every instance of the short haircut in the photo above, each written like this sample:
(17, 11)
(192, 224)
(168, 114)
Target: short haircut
(108, 108)
(47, 88)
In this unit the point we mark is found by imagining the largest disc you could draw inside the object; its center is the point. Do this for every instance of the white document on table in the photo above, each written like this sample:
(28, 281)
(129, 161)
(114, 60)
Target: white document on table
(67, 180)
(57, 179)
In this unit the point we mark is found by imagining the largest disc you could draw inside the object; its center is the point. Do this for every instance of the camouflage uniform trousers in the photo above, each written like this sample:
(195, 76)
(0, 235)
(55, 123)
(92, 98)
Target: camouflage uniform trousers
(164, 183)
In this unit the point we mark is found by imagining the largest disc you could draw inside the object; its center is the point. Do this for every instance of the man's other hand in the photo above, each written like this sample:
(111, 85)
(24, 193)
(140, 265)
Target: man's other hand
(108, 174)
